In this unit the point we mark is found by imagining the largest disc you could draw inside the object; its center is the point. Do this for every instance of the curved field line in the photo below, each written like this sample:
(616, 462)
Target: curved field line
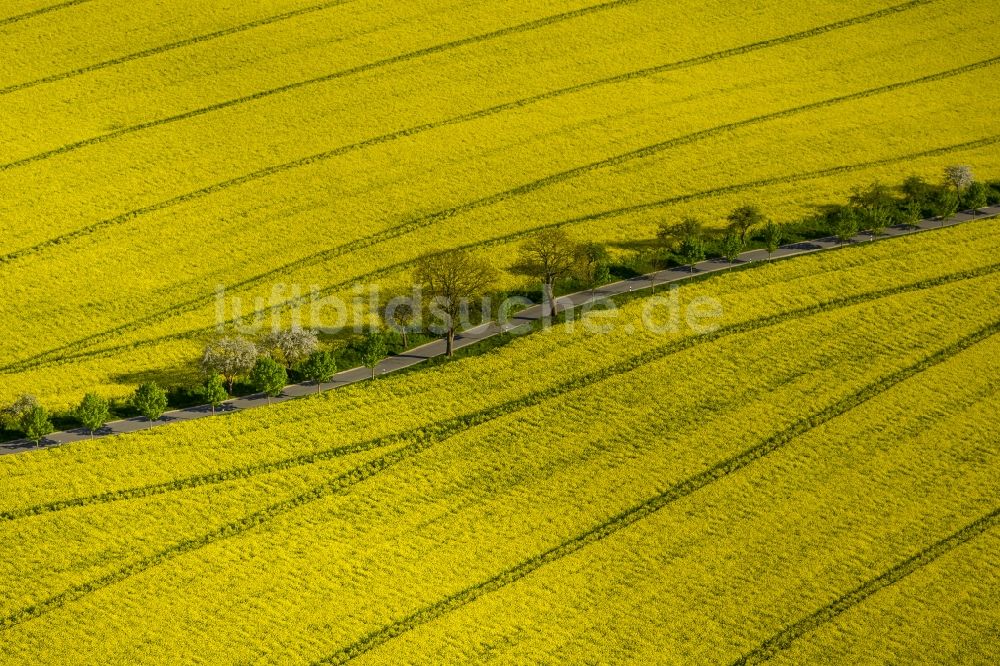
(45, 359)
(40, 360)
(650, 506)
(156, 50)
(315, 158)
(454, 425)
(739, 187)
(374, 467)
(340, 483)
(653, 149)
(617, 212)
(371, 240)
(39, 12)
(770, 648)
(491, 200)
(359, 69)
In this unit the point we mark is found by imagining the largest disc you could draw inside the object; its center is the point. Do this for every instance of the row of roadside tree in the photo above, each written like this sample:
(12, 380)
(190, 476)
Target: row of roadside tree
(550, 257)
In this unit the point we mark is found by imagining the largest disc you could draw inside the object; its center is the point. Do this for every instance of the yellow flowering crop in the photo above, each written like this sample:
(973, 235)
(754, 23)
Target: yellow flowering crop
(331, 143)
(223, 540)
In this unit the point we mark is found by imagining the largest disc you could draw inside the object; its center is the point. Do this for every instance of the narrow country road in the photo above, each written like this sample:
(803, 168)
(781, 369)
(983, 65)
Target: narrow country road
(476, 334)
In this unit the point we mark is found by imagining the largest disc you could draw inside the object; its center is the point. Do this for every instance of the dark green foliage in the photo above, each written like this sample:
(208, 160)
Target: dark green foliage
(876, 207)
(93, 412)
(918, 190)
(743, 220)
(213, 391)
(773, 234)
(401, 314)
(909, 213)
(975, 196)
(373, 350)
(602, 273)
(686, 238)
(35, 424)
(675, 235)
(692, 249)
(592, 264)
(732, 245)
(993, 193)
(549, 255)
(450, 427)
(268, 376)
(13, 415)
(150, 400)
(844, 224)
(945, 204)
(450, 279)
(320, 367)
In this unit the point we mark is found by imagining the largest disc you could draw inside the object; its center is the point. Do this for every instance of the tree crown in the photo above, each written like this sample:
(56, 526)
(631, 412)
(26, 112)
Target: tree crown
(268, 376)
(321, 366)
(93, 412)
(150, 400)
(549, 255)
(451, 277)
(229, 357)
(36, 423)
(293, 345)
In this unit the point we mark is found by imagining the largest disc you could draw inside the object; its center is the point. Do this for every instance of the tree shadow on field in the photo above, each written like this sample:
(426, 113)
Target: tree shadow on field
(163, 377)
(638, 245)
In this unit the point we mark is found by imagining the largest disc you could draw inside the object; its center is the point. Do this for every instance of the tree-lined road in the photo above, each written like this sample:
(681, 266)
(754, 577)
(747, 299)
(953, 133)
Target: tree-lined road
(523, 319)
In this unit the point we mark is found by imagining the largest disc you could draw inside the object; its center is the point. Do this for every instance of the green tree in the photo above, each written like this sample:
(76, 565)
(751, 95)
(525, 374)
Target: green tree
(665, 235)
(673, 236)
(844, 224)
(945, 205)
(692, 249)
(993, 193)
(213, 391)
(549, 256)
(743, 220)
(917, 190)
(269, 377)
(732, 246)
(150, 400)
(875, 204)
(35, 424)
(401, 314)
(320, 367)
(975, 197)
(909, 214)
(773, 234)
(602, 274)
(685, 238)
(373, 350)
(877, 220)
(93, 412)
(592, 264)
(449, 280)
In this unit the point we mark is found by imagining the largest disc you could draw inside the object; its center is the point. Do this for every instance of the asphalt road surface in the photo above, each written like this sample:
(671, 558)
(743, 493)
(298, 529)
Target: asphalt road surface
(471, 336)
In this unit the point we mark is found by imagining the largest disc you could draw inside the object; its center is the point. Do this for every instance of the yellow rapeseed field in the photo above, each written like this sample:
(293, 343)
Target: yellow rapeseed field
(825, 458)
(151, 156)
